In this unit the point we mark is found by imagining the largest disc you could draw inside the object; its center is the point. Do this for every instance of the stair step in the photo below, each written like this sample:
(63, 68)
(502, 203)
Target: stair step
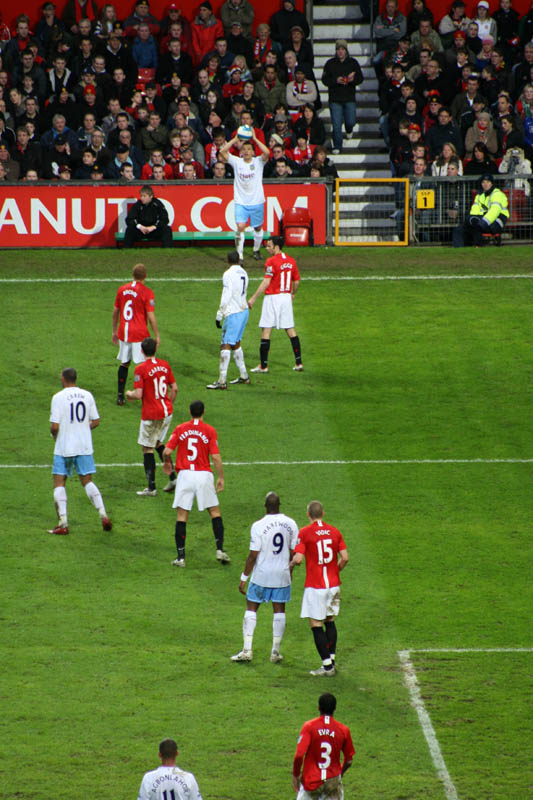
(351, 30)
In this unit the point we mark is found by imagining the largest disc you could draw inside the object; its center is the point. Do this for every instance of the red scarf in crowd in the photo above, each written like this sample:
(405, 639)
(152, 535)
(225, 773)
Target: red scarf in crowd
(84, 12)
(301, 88)
(260, 52)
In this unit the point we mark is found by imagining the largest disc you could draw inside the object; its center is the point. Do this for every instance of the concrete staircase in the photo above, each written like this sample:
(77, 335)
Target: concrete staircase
(368, 218)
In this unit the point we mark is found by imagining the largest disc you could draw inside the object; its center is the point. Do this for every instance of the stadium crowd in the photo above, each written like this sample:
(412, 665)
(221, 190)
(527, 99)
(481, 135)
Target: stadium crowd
(87, 96)
(456, 94)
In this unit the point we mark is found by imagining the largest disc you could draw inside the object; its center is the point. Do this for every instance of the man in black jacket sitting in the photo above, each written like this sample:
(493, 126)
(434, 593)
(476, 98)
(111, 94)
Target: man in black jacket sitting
(147, 220)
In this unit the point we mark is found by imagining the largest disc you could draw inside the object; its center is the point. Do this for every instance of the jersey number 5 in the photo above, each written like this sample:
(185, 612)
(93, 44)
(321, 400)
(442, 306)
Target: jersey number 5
(192, 450)
(325, 553)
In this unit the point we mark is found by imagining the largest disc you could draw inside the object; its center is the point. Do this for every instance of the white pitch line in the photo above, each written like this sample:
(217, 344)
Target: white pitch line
(413, 687)
(361, 462)
(472, 650)
(307, 278)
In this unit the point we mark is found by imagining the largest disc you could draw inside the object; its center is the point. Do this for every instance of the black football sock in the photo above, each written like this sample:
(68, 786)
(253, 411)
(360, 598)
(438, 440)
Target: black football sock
(149, 468)
(321, 643)
(295, 342)
(264, 348)
(160, 449)
(331, 634)
(179, 537)
(122, 378)
(218, 530)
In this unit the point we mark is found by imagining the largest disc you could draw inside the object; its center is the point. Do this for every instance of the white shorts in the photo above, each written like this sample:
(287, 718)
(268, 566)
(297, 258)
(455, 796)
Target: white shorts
(321, 603)
(277, 311)
(128, 351)
(153, 431)
(332, 789)
(191, 484)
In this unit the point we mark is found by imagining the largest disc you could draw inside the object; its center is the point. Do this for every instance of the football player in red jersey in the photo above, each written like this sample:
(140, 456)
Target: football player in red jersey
(325, 556)
(156, 386)
(133, 310)
(196, 442)
(320, 744)
(280, 284)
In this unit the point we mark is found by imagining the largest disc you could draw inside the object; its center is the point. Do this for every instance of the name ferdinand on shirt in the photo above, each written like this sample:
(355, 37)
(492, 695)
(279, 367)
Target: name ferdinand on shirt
(194, 432)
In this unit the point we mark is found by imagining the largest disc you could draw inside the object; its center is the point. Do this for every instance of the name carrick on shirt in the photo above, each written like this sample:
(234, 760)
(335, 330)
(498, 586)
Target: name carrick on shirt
(154, 376)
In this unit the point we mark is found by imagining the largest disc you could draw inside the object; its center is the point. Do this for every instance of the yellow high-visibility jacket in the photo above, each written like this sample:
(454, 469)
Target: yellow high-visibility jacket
(490, 206)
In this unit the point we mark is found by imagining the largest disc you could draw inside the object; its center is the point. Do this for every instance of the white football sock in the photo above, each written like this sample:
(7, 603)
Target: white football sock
(238, 356)
(258, 239)
(278, 629)
(248, 627)
(93, 493)
(225, 356)
(239, 241)
(60, 502)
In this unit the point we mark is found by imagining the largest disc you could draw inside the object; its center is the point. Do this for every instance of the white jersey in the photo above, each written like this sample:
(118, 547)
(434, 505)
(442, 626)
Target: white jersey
(169, 783)
(235, 285)
(273, 536)
(248, 180)
(73, 409)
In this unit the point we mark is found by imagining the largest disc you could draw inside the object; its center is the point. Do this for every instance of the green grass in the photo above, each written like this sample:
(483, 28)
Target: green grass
(106, 649)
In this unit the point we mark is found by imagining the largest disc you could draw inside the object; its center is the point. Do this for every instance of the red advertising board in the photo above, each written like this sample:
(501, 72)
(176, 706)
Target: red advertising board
(89, 215)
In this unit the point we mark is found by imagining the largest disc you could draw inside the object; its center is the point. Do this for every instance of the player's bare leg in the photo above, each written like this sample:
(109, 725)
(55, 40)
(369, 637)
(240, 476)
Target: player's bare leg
(93, 493)
(218, 532)
(278, 629)
(321, 644)
(60, 503)
(296, 349)
(180, 533)
(248, 628)
(264, 349)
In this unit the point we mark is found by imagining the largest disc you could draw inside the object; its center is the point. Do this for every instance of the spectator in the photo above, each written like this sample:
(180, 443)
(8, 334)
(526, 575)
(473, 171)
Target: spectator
(327, 165)
(432, 80)
(509, 135)
(147, 219)
(107, 23)
(126, 174)
(59, 128)
(270, 90)
(206, 29)
(31, 114)
(59, 155)
(156, 159)
(241, 11)
(83, 135)
(122, 156)
(481, 132)
(452, 59)
(58, 76)
(485, 54)
(473, 41)
(187, 160)
(221, 171)
(522, 71)
(97, 172)
(506, 20)
(455, 21)
(27, 66)
(7, 135)
(175, 62)
(235, 85)
(140, 16)
(83, 170)
(264, 44)
(514, 162)
(283, 20)
(144, 49)
(102, 153)
(187, 139)
(300, 91)
(31, 175)
(27, 154)
(253, 103)
(425, 36)
(444, 131)
(121, 87)
(310, 125)
(525, 27)
(301, 47)
(174, 16)
(75, 11)
(481, 162)
(485, 24)
(155, 134)
(418, 12)
(11, 167)
(341, 75)
(240, 45)
(12, 51)
(136, 156)
(123, 122)
(389, 27)
(303, 152)
(118, 55)
(447, 155)
(221, 50)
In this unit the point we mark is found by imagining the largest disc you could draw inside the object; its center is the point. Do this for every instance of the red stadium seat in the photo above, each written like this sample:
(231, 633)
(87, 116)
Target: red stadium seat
(297, 227)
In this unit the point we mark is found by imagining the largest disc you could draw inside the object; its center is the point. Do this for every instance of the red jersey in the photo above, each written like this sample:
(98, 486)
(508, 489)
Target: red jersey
(195, 441)
(154, 376)
(134, 300)
(282, 270)
(320, 744)
(320, 544)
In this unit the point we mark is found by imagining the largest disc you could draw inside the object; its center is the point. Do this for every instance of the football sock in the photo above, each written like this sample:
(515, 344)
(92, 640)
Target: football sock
(149, 468)
(239, 241)
(258, 239)
(321, 644)
(331, 634)
(160, 449)
(264, 349)
(179, 537)
(295, 342)
(122, 378)
(238, 356)
(248, 627)
(60, 502)
(218, 530)
(225, 356)
(278, 629)
(93, 493)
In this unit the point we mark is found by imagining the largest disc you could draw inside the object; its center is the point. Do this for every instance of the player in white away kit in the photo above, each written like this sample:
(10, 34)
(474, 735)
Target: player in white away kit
(248, 192)
(72, 417)
(272, 541)
(169, 782)
(234, 311)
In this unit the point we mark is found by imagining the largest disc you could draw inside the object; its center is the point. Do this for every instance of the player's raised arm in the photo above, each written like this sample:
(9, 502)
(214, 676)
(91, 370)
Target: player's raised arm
(265, 152)
(224, 150)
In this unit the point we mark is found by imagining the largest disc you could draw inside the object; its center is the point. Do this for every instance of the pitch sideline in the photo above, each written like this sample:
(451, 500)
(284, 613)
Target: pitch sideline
(361, 278)
(356, 462)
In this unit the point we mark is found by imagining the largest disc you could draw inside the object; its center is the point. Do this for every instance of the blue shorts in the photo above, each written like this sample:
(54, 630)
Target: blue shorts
(264, 594)
(65, 465)
(234, 326)
(256, 214)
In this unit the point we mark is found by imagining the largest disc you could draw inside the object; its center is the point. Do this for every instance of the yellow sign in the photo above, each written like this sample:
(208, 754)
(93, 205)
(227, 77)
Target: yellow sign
(425, 198)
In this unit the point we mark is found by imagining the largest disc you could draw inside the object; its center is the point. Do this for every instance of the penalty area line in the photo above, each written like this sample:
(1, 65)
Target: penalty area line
(411, 681)
(359, 278)
(352, 462)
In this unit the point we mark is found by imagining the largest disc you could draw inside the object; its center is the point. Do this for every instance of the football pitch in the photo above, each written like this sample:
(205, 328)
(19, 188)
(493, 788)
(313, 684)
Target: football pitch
(411, 423)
